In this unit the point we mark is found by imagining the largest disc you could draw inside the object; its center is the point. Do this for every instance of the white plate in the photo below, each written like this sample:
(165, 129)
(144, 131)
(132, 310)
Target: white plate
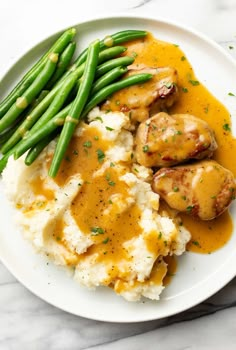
(198, 276)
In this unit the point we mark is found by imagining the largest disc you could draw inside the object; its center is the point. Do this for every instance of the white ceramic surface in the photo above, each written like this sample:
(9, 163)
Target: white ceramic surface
(198, 276)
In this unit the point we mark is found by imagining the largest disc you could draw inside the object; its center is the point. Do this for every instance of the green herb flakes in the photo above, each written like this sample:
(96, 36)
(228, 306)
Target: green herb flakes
(99, 118)
(97, 231)
(87, 144)
(145, 148)
(226, 127)
(108, 128)
(184, 89)
(189, 208)
(100, 155)
(194, 82)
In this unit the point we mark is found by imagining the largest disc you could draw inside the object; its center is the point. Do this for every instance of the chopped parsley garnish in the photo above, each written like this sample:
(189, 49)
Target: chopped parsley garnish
(183, 58)
(196, 243)
(96, 138)
(184, 198)
(168, 85)
(134, 54)
(87, 144)
(117, 102)
(106, 240)
(160, 235)
(189, 208)
(213, 197)
(99, 118)
(231, 47)
(111, 183)
(145, 148)
(226, 127)
(178, 132)
(194, 82)
(108, 177)
(108, 128)
(231, 94)
(75, 152)
(176, 189)
(97, 231)
(176, 45)
(184, 89)
(112, 165)
(100, 155)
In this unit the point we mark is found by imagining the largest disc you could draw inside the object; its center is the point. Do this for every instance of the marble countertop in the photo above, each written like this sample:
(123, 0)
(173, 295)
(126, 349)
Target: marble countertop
(26, 322)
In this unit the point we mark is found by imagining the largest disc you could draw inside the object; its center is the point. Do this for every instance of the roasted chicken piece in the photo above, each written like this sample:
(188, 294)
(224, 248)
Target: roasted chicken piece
(141, 101)
(203, 189)
(166, 140)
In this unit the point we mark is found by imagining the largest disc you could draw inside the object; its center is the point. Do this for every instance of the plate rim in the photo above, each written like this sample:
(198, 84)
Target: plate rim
(101, 17)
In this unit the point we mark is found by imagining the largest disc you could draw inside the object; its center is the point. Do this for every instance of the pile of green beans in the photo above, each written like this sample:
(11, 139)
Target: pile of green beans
(54, 96)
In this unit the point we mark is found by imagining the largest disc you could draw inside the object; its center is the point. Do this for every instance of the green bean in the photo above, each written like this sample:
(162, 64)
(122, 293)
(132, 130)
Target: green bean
(31, 75)
(62, 65)
(54, 107)
(11, 136)
(4, 160)
(116, 62)
(112, 88)
(28, 96)
(8, 134)
(76, 108)
(113, 40)
(59, 119)
(39, 134)
(40, 109)
(37, 149)
(105, 55)
(108, 78)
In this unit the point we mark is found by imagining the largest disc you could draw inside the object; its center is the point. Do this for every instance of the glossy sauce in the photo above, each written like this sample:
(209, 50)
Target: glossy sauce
(39, 188)
(171, 268)
(99, 194)
(193, 99)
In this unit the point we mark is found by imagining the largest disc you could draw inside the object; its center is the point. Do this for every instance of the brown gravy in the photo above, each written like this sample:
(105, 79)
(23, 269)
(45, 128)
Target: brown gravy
(194, 99)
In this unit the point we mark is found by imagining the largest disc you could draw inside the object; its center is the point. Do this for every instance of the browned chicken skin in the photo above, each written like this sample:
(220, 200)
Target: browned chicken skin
(204, 189)
(141, 101)
(166, 140)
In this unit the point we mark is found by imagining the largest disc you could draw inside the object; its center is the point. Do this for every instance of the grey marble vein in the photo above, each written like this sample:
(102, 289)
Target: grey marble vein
(142, 3)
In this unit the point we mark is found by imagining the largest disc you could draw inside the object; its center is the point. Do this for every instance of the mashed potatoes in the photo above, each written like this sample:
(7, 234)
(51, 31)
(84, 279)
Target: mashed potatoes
(99, 215)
